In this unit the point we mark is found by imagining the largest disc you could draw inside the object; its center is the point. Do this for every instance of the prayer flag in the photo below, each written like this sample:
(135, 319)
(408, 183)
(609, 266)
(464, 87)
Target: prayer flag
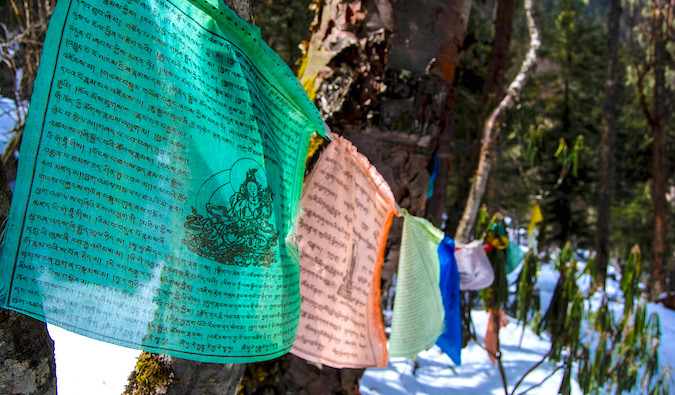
(514, 256)
(160, 169)
(418, 307)
(475, 269)
(536, 218)
(450, 341)
(347, 208)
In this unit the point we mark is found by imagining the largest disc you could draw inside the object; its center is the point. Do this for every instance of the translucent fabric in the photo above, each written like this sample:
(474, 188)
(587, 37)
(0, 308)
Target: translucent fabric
(347, 209)
(475, 270)
(160, 169)
(418, 315)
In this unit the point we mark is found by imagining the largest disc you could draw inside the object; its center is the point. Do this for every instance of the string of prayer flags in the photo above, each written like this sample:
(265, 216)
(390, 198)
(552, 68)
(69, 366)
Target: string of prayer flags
(161, 164)
(418, 316)
(497, 236)
(347, 209)
(450, 340)
(475, 270)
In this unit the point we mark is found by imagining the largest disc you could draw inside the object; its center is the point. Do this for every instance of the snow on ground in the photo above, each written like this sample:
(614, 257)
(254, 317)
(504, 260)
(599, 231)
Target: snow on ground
(85, 366)
(667, 348)
(437, 374)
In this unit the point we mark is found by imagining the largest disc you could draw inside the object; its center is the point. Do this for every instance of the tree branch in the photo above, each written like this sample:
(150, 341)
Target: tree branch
(492, 128)
(543, 381)
(530, 370)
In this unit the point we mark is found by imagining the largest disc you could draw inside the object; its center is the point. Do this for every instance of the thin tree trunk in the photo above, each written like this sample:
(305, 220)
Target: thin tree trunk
(609, 113)
(494, 85)
(492, 128)
(498, 57)
(659, 156)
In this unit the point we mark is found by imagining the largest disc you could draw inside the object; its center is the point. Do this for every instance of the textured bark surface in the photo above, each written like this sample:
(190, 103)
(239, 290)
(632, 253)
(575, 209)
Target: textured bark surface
(607, 132)
(198, 378)
(27, 355)
(26, 350)
(386, 95)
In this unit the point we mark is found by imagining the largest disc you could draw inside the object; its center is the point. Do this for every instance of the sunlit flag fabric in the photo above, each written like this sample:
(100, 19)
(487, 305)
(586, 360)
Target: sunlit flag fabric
(450, 341)
(418, 315)
(475, 269)
(347, 208)
(160, 170)
(536, 218)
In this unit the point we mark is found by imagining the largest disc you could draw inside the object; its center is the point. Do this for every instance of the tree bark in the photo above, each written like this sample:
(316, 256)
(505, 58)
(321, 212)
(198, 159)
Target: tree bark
(498, 57)
(609, 113)
(198, 378)
(389, 94)
(494, 85)
(26, 350)
(492, 128)
(659, 157)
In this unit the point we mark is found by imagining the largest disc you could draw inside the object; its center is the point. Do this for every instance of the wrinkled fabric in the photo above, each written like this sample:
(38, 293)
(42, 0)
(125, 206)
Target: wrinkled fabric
(347, 209)
(418, 316)
(475, 270)
(161, 166)
(450, 340)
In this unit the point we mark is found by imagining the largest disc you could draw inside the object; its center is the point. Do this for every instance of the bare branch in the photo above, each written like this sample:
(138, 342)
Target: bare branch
(530, 370)
(543, 380)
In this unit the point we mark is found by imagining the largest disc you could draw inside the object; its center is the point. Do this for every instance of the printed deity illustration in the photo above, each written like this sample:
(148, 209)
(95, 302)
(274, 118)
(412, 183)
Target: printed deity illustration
(235, 232)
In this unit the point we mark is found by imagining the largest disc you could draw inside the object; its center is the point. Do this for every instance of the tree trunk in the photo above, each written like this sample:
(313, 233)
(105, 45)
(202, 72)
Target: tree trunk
(492, 128)
(494, 85)
(26, 350)
(389, 94)
(659, 156)
(609, 113)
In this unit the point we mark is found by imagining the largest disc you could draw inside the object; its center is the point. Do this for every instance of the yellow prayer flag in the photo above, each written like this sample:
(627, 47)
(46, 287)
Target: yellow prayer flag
(536, 218)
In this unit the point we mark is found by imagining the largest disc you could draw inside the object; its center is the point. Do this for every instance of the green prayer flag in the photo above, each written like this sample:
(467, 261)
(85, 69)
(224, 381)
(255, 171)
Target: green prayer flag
(514, 256)
(418, 315)
(161, 167)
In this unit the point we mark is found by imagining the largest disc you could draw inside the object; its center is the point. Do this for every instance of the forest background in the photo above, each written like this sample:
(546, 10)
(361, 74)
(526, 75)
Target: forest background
(412, 84)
